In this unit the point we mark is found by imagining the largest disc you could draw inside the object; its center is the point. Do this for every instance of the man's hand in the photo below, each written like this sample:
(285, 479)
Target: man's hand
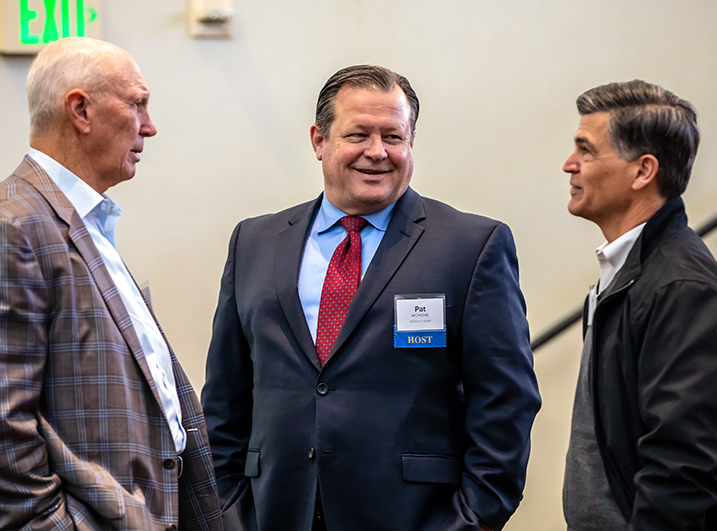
(484, 527)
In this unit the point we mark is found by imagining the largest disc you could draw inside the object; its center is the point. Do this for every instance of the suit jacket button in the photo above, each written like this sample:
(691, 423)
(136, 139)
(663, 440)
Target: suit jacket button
(312, 453)
(169, 465)
(322, 388)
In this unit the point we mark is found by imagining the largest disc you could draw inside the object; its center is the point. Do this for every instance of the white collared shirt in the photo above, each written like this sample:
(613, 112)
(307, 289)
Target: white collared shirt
(325, 235)
(100, 215)
(612, 256)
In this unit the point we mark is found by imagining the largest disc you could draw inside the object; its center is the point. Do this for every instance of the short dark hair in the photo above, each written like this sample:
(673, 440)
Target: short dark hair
(364, 76)
(647, 119)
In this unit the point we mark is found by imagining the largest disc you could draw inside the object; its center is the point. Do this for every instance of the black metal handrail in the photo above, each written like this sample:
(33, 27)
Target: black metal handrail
(575, 316)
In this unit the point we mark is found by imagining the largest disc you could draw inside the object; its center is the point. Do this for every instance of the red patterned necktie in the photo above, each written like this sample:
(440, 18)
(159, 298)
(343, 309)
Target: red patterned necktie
(342, 280)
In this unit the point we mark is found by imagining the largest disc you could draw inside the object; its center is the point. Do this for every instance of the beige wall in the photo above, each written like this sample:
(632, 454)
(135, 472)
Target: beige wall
(497, 81)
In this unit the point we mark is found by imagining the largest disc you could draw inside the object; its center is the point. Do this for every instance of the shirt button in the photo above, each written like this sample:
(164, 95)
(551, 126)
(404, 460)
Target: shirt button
(312, 453)
(322, 388)
(168, 464)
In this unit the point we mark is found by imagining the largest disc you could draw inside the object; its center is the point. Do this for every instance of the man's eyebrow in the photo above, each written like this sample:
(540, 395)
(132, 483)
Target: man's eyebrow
(142, 95)
(583, 141)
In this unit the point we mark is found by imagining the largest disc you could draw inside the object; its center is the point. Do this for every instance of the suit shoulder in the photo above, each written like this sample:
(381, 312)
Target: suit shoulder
(9, 189)
(20, 200)
(447, 212)
(268, 224)
(463, 226)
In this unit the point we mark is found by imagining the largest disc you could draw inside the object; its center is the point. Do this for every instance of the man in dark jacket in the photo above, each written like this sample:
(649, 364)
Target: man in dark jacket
(643, 446)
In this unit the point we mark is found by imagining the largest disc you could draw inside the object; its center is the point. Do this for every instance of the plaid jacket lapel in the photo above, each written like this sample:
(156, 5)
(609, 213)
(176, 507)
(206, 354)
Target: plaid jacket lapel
(33, 173)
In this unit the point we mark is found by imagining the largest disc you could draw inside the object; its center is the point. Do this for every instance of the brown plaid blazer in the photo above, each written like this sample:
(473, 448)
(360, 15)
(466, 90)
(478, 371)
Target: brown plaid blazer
(84, 443)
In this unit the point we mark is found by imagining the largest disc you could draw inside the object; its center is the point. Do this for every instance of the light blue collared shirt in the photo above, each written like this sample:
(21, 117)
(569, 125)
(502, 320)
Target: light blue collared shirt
(100, 215)
(325, 235)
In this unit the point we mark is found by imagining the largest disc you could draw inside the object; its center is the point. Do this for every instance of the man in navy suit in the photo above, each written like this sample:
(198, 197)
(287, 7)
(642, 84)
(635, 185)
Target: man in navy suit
(405, 406)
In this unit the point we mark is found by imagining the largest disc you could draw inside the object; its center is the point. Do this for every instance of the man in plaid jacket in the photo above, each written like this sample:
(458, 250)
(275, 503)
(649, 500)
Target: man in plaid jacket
(99, 426)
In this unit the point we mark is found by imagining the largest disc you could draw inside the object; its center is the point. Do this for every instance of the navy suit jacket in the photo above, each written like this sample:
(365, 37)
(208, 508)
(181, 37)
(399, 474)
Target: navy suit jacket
(397, 439)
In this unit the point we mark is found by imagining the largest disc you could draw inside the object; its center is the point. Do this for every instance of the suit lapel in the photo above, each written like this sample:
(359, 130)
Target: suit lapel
(31, 172)
(290, 248)
(401, 235)
(83, 241)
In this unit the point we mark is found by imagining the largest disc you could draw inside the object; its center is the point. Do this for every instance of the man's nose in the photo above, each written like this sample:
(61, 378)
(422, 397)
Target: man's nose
(571, 164)
(375, 149)
(148, 128)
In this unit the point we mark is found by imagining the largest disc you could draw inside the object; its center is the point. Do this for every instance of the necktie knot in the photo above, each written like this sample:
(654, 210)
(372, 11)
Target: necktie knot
(353, 223)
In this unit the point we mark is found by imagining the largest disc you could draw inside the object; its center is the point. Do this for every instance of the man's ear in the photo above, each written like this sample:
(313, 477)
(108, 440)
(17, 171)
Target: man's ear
(76, 104)
(647, 166)
(317, 141)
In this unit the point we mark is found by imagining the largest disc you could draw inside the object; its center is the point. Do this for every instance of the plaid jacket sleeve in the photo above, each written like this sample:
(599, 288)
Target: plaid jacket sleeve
(31, 493)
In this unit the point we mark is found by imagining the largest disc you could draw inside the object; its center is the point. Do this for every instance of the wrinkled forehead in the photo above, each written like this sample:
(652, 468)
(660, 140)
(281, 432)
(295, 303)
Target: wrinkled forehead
(123, 75)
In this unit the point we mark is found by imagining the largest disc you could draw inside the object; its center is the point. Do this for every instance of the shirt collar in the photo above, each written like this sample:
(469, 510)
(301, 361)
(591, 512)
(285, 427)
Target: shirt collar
(329, 215)
(612, 256)
(82, 196)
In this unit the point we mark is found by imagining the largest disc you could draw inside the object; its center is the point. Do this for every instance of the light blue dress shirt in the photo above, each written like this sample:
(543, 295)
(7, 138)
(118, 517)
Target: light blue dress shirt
(100, 215)
(325, 235)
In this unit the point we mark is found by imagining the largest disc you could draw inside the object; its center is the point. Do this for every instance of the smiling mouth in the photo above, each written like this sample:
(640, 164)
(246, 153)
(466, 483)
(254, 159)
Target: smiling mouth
(371, 172)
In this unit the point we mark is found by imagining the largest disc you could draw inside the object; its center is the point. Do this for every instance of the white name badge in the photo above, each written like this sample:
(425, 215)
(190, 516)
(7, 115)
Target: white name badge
(420, 321)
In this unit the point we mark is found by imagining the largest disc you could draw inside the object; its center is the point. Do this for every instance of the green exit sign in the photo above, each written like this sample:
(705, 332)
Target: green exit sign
(26, 26)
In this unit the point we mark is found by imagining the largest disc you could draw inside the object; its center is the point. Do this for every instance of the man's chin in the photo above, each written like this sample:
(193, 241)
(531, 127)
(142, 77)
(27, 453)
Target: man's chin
(583, 213)
(574, 209)
(127, 175)
(362, 206)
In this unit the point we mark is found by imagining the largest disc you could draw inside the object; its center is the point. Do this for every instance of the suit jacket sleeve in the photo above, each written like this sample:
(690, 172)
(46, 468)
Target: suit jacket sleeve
(31, 493)
(227, 393)
(676, 486)
(501, 391)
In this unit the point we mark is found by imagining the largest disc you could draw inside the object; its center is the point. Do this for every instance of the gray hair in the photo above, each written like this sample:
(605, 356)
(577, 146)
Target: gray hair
(647, 119)
(363, 76)
(65, 65)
